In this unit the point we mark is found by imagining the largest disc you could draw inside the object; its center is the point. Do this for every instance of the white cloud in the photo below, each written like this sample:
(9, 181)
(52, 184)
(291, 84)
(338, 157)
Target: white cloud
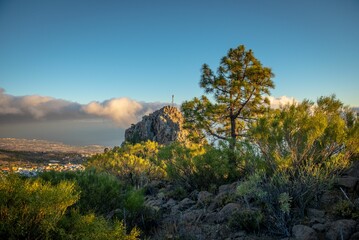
(277, 102)
(122, 111)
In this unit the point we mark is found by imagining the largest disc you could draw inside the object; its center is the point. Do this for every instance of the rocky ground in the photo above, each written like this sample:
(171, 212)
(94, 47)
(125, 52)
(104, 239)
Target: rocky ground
(205, 215)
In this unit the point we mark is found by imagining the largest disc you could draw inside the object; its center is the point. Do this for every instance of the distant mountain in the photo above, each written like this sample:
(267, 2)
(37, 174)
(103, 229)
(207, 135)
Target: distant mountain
(34, 145)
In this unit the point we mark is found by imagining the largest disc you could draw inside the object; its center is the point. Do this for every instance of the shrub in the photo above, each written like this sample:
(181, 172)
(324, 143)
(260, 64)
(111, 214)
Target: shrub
(31, 208)
(133, 164)
(278, 195)
(89, 226)
(100, 192)
(345, 209)
(307, 135)
(199, 167)
(248, 219)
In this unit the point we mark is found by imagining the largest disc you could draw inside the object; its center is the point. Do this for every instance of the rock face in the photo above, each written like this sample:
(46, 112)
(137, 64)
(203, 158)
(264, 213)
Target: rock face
(163, 126)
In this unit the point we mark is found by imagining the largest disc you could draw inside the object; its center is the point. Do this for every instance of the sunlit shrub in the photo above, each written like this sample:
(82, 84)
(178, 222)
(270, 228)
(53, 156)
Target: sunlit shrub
(197, 166)
(100, 192)
(89, 226)
(31, 208)
(133, 164)
(307, 135)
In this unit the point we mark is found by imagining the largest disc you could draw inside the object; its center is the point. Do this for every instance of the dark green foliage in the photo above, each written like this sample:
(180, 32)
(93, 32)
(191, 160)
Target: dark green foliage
(345, 209)
(199, 167)
(100, 192)
(248, 219)
(177, 193)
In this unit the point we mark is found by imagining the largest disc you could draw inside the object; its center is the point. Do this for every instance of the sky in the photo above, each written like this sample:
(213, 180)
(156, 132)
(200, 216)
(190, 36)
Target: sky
(82, 71)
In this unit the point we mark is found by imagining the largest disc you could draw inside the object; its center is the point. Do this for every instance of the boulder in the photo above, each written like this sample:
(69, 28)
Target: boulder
(185, 204)
(163, 126)
(355, 236)
(319, 227)
(227, 211)
(191, 216)
(341, 229)
(315, 213)
(228, 188)
(204, 198)
(348, 182)
(302, 232)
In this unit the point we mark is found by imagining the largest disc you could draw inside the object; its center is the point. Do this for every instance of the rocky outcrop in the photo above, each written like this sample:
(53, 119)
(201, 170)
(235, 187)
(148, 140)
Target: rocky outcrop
(163, 126)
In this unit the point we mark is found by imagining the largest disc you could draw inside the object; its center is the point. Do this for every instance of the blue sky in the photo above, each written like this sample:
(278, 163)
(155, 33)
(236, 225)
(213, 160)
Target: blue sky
(83, 51)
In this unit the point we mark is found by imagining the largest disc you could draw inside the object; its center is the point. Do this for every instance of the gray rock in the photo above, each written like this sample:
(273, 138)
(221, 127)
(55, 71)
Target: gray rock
(211, 217)
(163, 126)
(302, 232)
(169, 204)
(185, 204)
(153, 202)
(348, 182)
(316, 220)
(355, 236)
(219, 201)
(315, 213)
(341, 229)
(319, 227)
(227, 211)
(191, 216)
(228, 188)
(204, 198)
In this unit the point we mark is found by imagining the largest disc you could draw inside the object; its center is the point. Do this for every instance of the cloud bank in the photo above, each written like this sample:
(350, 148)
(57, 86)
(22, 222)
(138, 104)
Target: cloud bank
(122, 111)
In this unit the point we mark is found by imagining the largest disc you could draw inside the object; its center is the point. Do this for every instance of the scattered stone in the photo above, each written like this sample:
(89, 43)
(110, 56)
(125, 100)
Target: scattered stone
(227, 211)
(341, 229)
(355, 236)
(219, 201)
(348, 182)
(316, 220)
(192, 216)
(315, 213)
(228, 188)
(204, 198)
(319, 227)
(302, 232)
(185, 204)
(169, 204)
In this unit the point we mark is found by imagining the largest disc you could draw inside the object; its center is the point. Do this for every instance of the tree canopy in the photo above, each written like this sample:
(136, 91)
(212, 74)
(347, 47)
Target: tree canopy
(237, 89)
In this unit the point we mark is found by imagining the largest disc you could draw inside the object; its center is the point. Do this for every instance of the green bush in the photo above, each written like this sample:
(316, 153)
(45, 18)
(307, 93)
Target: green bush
(321, 136)
(100, 192)
(345, 209)
(199, 167)
(89, 226)
(31, 208)
(248, 219)
(132, 163)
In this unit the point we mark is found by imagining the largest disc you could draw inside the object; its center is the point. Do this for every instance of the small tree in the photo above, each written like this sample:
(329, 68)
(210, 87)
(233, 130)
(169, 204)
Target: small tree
(237, 89)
